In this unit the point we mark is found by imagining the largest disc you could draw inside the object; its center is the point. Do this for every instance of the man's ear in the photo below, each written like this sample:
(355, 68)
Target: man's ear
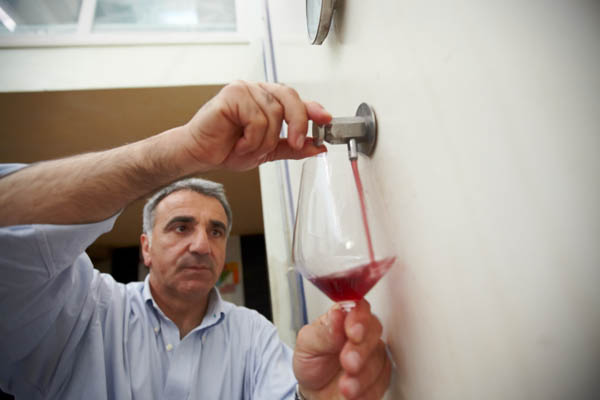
(145, 243)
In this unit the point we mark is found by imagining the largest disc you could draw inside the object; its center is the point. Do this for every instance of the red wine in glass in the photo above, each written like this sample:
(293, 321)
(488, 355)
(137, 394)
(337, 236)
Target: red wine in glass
(353, 284)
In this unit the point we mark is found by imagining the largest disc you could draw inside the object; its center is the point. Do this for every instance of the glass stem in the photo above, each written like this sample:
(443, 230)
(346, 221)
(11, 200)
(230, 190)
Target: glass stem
(347, 305)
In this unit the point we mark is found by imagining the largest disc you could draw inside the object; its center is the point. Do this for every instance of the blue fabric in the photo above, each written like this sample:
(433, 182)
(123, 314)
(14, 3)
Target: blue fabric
(70, 332)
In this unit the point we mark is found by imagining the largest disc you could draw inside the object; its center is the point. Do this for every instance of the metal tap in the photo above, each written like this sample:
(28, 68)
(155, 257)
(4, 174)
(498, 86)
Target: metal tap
(359, 133)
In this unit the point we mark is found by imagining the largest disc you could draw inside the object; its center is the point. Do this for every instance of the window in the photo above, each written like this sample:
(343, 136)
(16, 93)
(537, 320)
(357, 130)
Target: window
(161, 15)
(65, 22)
(39, 17)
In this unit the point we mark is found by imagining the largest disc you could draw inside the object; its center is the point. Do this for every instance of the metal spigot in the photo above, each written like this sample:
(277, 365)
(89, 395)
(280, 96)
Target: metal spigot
(359, 133)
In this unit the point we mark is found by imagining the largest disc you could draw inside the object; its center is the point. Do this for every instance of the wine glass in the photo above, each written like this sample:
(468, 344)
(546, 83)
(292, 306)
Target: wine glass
(339, 245)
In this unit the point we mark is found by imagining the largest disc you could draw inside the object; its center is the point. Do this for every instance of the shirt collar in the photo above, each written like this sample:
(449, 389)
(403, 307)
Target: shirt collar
(215, 312)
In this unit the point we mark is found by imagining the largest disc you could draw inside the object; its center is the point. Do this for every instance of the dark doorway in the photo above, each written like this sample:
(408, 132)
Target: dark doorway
(257, 294)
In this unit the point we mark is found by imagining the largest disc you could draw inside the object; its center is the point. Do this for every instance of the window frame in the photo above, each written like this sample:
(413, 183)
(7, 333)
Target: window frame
(84, 36)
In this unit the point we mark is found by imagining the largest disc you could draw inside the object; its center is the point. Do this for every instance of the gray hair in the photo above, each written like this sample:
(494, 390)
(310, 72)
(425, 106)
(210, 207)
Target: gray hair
(202, 186)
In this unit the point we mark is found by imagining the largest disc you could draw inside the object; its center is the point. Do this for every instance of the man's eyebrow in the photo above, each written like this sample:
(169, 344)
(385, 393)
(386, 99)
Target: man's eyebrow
(180, 218)
(218, 224)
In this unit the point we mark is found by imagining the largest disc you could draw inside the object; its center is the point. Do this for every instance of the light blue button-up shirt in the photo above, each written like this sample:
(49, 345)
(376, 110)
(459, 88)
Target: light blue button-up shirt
(70, 332)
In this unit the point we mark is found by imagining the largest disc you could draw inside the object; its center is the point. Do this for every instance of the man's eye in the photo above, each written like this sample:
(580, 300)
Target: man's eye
(216, 233)
(180, 228)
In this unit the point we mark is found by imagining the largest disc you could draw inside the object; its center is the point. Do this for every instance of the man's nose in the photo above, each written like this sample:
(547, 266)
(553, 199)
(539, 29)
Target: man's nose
(200, 243)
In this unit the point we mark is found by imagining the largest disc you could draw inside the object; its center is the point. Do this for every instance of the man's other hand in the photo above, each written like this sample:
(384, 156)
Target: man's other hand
(341, 355)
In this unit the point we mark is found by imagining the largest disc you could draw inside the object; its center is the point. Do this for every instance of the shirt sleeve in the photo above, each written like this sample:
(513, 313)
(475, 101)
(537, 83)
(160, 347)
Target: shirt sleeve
(44, 273)
(6, 169)
(35, 278)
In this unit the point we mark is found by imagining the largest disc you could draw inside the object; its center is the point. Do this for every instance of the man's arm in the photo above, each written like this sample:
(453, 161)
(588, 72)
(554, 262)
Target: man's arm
(238, 129)
(84, 188)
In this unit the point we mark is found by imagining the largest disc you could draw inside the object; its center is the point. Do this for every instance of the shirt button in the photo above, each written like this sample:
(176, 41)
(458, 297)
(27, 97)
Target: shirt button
(203, 338)
(169, 347)
(156, 329)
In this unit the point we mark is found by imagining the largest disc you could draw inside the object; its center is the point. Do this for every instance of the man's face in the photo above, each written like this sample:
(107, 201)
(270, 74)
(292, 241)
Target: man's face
(187, 253)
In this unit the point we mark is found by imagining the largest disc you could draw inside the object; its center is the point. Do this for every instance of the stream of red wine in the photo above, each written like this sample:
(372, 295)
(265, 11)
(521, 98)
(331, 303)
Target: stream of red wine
(363, 208)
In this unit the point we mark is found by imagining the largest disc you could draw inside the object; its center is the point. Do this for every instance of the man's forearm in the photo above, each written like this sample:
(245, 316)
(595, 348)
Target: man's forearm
(91, 187)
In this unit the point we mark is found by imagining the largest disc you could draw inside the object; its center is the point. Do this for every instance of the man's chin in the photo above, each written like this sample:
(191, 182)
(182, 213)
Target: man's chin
(194, 287)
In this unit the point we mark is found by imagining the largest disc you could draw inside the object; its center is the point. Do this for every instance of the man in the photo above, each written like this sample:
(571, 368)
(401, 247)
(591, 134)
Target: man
(68, 332)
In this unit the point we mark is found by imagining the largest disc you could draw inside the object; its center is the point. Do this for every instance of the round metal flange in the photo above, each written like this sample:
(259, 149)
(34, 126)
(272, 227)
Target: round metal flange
(367, 144)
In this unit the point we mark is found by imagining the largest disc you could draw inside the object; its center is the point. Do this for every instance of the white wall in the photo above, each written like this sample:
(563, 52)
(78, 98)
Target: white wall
(489, 124)
(127, 61)
(72, 68)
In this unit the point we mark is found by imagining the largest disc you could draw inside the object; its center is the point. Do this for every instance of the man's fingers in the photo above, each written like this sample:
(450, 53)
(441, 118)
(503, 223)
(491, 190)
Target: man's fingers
(354, 356)
(363, 330)
(358, 320)
(253, 135)
(380, 386)
(241, 108)
(317, 113)
(353, 386)
(284, 151)
(253, 117)
(273, 111)
(378, 389)
(295, 112)
(325, 335)
(316, 361)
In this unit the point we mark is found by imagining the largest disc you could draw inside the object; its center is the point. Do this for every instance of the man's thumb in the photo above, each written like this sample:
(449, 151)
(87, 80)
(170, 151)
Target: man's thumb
(326, 335)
